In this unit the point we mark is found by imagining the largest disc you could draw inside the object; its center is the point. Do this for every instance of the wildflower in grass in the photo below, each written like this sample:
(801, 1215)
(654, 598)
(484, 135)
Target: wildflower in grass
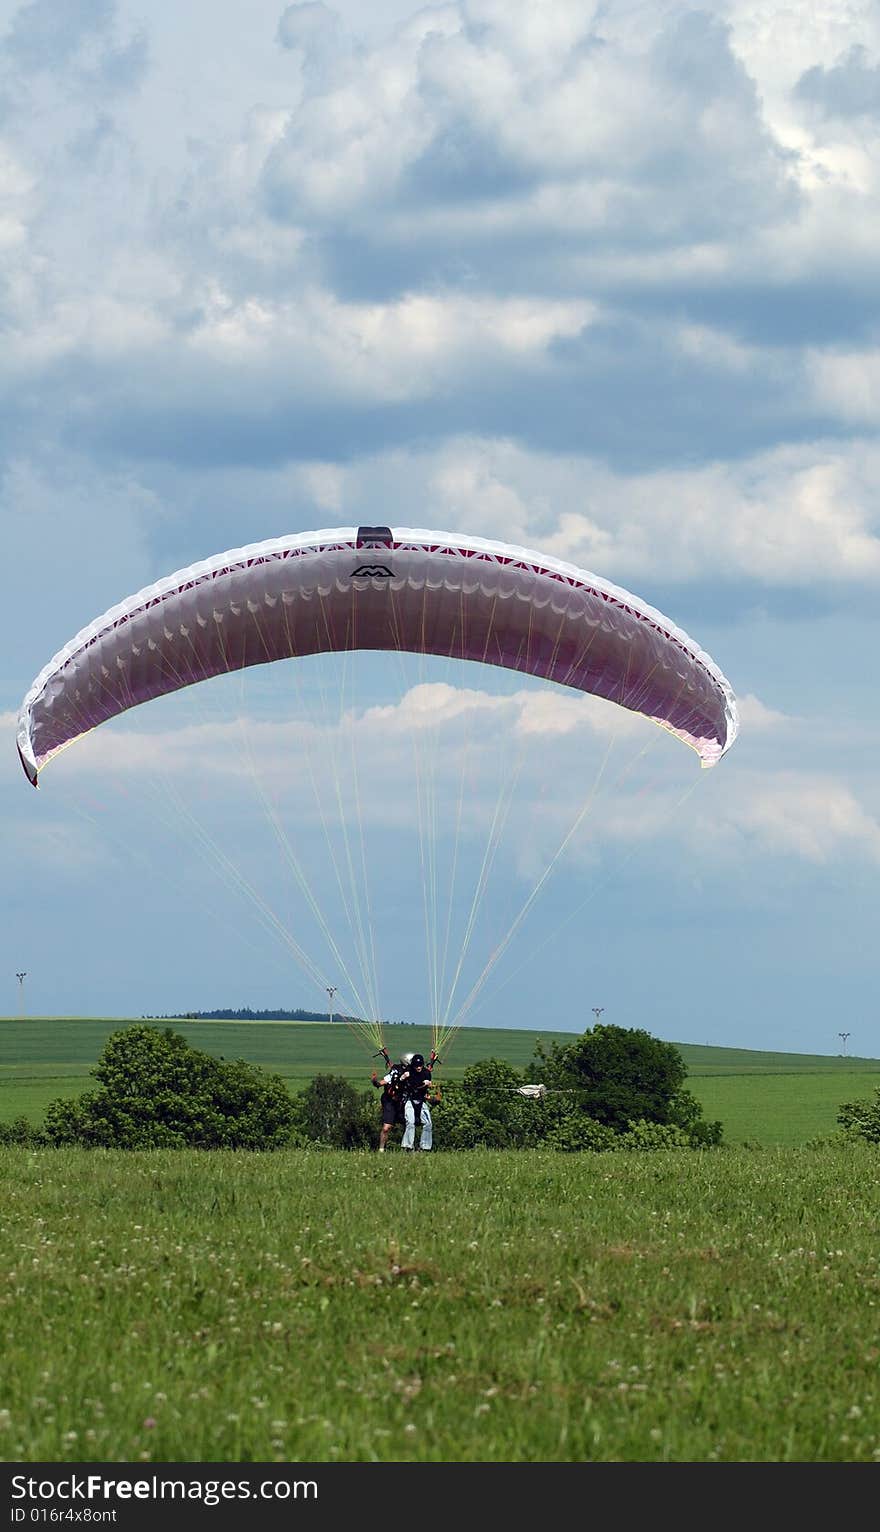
(150, 1423)
(5, 1420)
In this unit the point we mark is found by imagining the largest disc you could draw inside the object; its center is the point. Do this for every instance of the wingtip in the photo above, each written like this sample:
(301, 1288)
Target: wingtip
(29, 768)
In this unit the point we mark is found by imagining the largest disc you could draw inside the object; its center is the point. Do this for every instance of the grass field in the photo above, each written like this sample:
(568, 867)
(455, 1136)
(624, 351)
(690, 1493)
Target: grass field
(488, 1307)
(765, 1098)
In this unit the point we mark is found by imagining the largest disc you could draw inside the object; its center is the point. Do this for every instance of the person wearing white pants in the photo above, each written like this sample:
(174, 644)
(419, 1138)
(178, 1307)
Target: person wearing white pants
(414, 1113)
(415, 1083)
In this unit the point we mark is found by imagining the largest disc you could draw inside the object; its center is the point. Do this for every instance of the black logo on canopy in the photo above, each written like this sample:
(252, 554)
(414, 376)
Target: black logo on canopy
(373, 538)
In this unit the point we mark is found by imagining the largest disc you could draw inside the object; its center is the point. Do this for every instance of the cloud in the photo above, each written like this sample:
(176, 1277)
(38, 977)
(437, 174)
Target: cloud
(77, 44)
(217, 730)
(598, 280)
(41, 36)
(811, 817)
(849, 384)
(257, 381)
(314, 31)
(802, 516)
(16, 200)
(756, 718)
(472, 109)
(444, 755)
(849, 88)
(459, 227)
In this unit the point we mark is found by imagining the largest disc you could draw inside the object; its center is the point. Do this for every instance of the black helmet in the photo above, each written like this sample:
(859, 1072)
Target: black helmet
(417, 1061)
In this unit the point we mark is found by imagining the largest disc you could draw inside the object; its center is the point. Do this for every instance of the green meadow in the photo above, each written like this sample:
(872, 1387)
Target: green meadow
(321, 1306)
(676, 1306)
(760, 1098)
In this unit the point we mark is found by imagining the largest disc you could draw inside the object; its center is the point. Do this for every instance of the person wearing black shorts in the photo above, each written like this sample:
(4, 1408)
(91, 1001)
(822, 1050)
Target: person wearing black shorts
(390, 1102)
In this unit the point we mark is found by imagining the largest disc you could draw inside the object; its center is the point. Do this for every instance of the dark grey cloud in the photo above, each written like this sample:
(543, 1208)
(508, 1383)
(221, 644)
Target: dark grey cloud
(44, 34)
(623, 392)
(722, 604)
(464, 164)
(815, 311)
(849, 88)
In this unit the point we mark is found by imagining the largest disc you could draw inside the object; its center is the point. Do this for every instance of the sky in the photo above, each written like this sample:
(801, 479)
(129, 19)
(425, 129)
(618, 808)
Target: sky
(595, 280)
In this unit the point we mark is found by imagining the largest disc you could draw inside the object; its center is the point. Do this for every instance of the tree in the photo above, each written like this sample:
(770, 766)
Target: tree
(619, 1076)
(155, 1091)
(332, 1113)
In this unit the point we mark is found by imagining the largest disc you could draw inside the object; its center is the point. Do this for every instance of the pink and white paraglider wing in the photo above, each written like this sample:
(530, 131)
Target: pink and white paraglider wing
(373, 588)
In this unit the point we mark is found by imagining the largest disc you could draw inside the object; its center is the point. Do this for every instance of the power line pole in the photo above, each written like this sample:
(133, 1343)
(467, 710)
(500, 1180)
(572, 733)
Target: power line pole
(597, 1012)
(843, 1036)
(331, 991)
(21, 978)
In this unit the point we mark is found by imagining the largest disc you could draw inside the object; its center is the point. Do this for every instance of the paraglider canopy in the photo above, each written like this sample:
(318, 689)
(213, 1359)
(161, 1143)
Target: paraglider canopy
(379, 588)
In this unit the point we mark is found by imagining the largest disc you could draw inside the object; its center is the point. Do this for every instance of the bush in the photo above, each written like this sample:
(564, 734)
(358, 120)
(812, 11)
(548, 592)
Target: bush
(330, 1112)
(20, 1131)
(575, 1132)
(466, 1128)
(157, 1092)
(861, 1119)
(653, 1135)
(484, 1111)
(686, 1113)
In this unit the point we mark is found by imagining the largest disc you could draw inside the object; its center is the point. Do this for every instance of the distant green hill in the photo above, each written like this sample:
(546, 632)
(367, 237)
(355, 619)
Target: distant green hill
(766, 1098)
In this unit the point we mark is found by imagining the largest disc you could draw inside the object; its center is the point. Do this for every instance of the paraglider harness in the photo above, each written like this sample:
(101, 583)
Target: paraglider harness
(391, 1088)
(417, 1091)
(396, 1089)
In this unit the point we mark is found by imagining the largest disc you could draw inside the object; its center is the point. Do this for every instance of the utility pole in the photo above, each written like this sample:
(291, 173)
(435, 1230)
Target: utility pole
(331, 991)
(597, 1012)
(21, 978)
(843, 1036)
